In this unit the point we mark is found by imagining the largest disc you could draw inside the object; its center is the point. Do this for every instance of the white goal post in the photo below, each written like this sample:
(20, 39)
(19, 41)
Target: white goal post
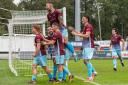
(21, 39)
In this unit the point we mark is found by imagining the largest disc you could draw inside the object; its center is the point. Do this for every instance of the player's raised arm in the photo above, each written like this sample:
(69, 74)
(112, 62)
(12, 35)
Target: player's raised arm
(82, 35)
(86, 35)
(72, 29)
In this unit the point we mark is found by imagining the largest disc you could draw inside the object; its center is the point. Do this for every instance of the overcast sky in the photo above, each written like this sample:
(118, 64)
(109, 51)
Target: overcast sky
(16, 1)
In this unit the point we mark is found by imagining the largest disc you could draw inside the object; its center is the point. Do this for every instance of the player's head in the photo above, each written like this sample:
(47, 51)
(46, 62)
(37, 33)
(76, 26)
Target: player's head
(115, 31)
(36, 29)
(50, 31)
(85, 19)
(49, 6)
(55, 26)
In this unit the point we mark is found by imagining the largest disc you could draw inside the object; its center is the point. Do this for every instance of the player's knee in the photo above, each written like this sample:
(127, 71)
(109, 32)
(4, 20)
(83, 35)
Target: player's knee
(86, 61)
(54, 61)
(46, 69)
(60, 68)
(34, 66)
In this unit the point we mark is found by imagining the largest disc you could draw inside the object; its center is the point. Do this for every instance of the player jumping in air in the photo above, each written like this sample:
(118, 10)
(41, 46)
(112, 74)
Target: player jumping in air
(57, 41)
(88, 46)
(56, 16)
(116, 48)
(39, 56)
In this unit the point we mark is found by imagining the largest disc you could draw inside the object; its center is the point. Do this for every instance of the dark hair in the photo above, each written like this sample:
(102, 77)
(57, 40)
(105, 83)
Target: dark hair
(87, 17)
(37, 27)
(49, 1)
(116, 30)
(56, 24)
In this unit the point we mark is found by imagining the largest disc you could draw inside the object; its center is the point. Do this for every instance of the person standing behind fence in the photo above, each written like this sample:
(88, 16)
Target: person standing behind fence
(116, 47)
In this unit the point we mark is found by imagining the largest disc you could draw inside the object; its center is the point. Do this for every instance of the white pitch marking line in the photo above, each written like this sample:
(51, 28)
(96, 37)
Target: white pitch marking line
(92, 82)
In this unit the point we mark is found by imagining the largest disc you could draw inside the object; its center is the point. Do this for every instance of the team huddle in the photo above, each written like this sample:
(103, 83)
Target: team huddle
(61, 50)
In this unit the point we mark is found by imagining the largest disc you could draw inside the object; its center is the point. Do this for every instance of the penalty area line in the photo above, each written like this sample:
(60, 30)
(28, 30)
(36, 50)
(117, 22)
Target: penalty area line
(92, 82)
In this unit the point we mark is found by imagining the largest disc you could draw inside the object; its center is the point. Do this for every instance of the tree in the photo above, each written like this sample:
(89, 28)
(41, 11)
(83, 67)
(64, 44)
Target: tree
(113, 13)
(7, 4)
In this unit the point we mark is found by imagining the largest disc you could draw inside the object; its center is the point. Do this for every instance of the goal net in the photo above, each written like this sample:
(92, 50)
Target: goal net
(21, 40)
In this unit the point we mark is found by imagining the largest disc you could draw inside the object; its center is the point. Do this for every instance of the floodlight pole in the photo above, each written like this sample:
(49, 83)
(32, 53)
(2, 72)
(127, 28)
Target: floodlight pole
(77, 18)
(99, 22)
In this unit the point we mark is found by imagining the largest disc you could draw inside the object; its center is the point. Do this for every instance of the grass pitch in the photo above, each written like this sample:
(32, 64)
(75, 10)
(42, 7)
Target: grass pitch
(106, 75)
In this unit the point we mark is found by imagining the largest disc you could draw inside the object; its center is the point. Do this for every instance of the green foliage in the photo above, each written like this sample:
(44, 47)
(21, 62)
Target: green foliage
(7, 4)
(113, 13)
(3, 30)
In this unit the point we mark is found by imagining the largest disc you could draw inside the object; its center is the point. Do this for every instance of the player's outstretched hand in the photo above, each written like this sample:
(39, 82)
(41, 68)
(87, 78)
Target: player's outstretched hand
(70, 28)
(43, 43)
(73, 33)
